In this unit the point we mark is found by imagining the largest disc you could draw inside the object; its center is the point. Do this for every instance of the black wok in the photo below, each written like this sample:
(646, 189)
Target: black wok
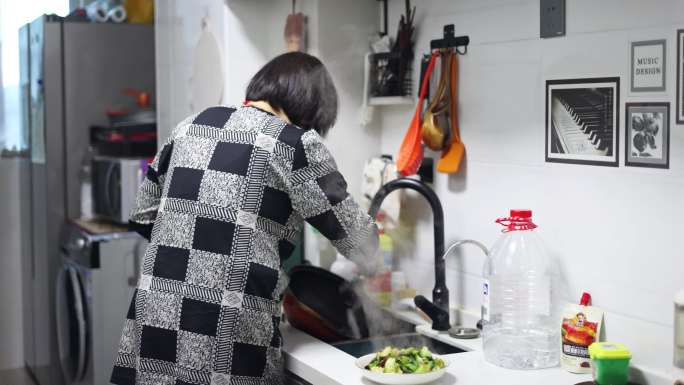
(324, 305)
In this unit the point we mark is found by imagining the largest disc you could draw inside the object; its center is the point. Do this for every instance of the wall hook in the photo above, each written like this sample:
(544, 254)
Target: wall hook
(450, 40)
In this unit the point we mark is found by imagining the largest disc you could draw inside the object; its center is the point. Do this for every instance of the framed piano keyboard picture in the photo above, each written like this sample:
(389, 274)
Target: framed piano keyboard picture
(582, 121)
(647, 134)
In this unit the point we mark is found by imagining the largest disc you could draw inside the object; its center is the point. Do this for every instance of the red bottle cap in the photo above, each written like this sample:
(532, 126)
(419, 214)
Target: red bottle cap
(586, 299)
(521, 213)
(518, 220)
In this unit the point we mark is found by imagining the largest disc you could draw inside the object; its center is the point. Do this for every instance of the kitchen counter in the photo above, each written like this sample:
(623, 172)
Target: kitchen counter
(321, 364)
(100, 230)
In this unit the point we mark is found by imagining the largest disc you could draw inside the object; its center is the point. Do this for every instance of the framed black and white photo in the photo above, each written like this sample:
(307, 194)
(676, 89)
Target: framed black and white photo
(582, 122)
(647, 134)
(680, 77)
(648, 66)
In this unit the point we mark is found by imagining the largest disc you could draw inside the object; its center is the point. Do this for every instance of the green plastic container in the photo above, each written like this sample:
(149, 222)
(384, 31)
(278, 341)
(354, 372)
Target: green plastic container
(610, 363)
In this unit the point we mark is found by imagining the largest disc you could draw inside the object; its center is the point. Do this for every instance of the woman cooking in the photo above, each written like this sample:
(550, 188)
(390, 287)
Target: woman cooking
(222, 204)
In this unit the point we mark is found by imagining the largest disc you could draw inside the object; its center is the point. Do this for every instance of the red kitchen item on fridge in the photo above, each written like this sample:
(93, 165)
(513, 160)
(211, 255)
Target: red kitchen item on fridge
(411, 151)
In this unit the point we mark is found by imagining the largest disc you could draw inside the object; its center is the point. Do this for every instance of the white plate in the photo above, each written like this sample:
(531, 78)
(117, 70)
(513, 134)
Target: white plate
(399, 379)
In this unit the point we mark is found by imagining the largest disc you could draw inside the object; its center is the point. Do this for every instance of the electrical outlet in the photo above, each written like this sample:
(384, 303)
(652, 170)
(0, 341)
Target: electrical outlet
(552, 18)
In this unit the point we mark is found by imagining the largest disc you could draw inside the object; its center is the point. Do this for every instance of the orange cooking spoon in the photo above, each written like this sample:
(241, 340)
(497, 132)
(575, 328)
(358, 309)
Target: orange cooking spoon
(450, 162)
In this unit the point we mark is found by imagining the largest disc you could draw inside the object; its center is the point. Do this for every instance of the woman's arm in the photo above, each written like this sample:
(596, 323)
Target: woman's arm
(147, 201)
(319, 194)
(149, 195)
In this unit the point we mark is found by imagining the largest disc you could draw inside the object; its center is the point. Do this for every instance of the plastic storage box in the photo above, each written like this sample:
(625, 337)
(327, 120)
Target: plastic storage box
(610, 363)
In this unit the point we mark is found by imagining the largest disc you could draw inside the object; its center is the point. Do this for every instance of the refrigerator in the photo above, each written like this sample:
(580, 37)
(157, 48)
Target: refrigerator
(70, 74)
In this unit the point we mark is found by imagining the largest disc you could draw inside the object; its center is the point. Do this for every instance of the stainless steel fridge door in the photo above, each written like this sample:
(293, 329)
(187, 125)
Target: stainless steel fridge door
(46, 192)
(73, 73)
(27, 263)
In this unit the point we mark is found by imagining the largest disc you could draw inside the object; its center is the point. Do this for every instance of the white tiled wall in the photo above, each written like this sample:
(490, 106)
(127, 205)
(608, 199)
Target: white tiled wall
(616, 231)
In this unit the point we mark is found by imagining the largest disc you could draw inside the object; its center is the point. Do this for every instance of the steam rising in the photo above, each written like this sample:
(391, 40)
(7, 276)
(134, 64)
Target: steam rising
(381, 322)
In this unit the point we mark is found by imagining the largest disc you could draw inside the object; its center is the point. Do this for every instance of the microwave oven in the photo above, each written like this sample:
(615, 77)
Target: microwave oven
(115, 186)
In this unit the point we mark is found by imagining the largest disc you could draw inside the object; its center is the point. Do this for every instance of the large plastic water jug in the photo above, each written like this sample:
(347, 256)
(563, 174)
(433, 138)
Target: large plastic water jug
(520, 323)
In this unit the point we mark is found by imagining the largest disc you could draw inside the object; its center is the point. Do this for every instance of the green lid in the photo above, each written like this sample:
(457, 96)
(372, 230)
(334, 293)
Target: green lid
(609, 351)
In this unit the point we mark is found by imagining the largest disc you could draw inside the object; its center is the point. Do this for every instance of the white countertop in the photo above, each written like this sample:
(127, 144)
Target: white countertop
(321, 364)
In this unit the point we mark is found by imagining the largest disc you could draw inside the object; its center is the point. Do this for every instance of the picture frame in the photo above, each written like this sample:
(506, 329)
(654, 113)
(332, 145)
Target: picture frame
(679, 102)
(648, 70)
(582, 121)
(647, 134)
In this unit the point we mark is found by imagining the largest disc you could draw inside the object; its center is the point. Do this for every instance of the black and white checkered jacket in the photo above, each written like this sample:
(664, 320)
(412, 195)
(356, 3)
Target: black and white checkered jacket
(222, 203)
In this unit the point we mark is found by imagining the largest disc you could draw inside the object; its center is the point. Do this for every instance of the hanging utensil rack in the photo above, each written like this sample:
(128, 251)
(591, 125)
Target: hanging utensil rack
(450, 40)
(388, 75)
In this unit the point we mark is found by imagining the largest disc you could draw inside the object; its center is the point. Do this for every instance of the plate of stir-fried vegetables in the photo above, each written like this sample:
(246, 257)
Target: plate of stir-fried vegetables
(402, 366)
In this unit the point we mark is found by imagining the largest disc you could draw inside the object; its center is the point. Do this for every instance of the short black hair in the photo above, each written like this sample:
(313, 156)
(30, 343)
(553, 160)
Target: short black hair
(299, 85)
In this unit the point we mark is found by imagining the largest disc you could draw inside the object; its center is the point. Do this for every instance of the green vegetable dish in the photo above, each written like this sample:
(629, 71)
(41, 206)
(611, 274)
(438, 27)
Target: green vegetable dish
(409, 360)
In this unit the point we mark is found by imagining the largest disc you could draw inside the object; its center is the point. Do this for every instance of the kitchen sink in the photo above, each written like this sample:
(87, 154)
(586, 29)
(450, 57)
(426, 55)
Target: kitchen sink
(388, 330)
(358, 348)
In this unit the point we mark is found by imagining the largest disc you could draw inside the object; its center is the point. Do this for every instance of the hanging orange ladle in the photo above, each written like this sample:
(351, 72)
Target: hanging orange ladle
(450, 162)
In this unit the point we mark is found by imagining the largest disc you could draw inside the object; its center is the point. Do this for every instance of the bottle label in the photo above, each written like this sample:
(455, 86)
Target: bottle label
(486, 289)
(580, 327)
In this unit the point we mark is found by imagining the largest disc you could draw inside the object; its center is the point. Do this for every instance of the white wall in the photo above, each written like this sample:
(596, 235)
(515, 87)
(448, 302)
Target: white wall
(11, 334)
(615, 230)
(246, 35)
(177, 29)
(250, 33)
(343, 35)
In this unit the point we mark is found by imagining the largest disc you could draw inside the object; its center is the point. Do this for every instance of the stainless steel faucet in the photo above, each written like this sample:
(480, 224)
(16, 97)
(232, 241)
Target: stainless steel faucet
(464, 242)
(439, 316)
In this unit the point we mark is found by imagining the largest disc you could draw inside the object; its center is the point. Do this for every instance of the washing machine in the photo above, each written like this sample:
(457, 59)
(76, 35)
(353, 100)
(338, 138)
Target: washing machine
(98, 273)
